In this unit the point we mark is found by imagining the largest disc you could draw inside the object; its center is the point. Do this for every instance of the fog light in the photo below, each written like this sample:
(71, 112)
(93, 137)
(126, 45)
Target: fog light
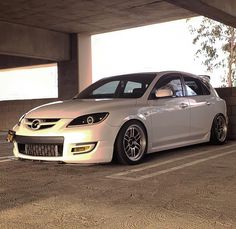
(83, 148)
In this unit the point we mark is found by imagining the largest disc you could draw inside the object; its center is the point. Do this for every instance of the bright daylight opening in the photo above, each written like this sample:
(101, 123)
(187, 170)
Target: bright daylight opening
(153, 48)
(32, 82)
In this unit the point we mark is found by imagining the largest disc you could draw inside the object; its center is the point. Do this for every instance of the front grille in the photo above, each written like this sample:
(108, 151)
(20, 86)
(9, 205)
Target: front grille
(41, 150)
(41, 123)
(40, 146)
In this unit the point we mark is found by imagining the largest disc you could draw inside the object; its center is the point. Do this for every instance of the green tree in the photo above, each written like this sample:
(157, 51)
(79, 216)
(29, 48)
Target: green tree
(216, 46)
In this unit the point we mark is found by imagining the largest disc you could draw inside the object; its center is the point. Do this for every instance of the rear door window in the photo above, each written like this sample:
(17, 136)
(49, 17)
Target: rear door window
(195, 87)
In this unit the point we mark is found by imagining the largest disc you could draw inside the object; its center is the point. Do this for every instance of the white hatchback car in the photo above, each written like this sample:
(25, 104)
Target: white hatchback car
(124, 116)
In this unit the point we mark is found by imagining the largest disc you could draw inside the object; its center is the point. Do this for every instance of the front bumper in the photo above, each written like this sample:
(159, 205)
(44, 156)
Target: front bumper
(67, 140)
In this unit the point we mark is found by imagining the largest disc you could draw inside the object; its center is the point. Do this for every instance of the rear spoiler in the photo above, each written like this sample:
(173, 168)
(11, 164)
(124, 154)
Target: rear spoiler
(205, 77)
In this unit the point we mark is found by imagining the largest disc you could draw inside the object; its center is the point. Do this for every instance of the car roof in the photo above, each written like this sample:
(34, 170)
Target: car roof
(150, 74)
(132, 75)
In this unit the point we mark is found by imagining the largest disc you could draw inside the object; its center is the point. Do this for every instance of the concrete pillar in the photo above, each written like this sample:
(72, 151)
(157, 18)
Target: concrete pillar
(68, 72)
(85, 61)
(75, 74)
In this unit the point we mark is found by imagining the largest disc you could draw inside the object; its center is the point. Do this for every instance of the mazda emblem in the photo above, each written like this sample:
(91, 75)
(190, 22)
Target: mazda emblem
(35, 124)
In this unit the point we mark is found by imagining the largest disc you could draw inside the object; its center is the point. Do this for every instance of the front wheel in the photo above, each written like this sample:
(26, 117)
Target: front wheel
(219, 130)
(131, 143)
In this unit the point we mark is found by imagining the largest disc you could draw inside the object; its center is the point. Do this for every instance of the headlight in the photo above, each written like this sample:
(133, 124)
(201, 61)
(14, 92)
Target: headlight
(89, 119)
(21, 118)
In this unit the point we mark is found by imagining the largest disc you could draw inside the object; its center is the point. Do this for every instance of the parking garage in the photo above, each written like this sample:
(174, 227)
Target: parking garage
(192, 187)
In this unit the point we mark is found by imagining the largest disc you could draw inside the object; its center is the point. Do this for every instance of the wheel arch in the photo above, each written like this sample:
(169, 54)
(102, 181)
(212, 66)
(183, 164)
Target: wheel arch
(220, 113)
(135, 120)
(213, 137)
(125, 123)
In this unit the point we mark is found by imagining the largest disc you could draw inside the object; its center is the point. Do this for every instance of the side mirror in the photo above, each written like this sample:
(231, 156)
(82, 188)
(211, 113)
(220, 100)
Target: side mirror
(163, 92)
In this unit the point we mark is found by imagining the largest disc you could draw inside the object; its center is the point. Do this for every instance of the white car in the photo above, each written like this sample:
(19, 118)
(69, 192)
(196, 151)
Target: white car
(126, 117)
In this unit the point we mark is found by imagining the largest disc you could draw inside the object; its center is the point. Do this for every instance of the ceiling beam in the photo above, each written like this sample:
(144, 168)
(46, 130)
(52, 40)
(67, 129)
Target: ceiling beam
(26, 41)
(216, 10)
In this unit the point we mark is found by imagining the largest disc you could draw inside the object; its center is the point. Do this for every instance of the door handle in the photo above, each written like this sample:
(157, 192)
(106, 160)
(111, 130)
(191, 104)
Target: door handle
(183, 105)
(208, 103)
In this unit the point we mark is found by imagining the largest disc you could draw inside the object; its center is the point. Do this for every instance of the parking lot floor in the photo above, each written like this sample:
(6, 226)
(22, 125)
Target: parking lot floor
(191, 187)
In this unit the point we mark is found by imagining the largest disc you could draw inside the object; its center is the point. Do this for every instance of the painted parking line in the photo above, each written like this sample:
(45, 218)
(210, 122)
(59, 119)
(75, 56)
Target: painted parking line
(123, 175)
(172, 160)
(4, 142)
(6, 158)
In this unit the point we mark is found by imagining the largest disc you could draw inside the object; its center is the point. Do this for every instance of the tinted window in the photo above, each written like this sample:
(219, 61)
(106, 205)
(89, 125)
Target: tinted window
(206, 88)
(124, 86)
(195, 87)
(172, 82)
(108, 88)
(130, 86)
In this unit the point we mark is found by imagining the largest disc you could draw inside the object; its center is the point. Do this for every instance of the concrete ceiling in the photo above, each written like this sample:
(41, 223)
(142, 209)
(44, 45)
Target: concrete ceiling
(41, 29)
(89, 16)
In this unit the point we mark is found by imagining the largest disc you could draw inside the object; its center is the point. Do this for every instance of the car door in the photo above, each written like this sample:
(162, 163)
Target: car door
(202, 107)
(170, 115)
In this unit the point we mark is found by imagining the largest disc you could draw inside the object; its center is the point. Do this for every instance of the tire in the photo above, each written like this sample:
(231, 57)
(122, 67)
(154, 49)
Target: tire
(219, 130)
(131, 143)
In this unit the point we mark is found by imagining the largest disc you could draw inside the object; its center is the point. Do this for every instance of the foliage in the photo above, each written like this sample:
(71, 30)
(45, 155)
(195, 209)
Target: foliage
(216, 46)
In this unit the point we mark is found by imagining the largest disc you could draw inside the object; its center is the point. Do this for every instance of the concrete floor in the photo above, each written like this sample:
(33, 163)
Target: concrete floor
(193, 187)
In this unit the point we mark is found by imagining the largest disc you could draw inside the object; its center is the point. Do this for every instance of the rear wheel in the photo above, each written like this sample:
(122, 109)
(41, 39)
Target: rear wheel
(219, 130)
(131, 143)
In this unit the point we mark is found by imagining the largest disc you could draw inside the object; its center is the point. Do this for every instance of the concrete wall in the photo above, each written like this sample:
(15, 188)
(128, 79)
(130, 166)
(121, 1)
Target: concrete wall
(11, 111)
(229, 95)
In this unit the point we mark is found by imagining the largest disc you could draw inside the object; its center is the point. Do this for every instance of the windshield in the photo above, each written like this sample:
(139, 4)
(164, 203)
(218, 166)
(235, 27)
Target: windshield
(124, 86)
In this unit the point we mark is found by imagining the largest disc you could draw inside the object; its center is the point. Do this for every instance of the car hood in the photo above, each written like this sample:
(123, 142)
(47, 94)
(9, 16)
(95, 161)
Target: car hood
(74, 108)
